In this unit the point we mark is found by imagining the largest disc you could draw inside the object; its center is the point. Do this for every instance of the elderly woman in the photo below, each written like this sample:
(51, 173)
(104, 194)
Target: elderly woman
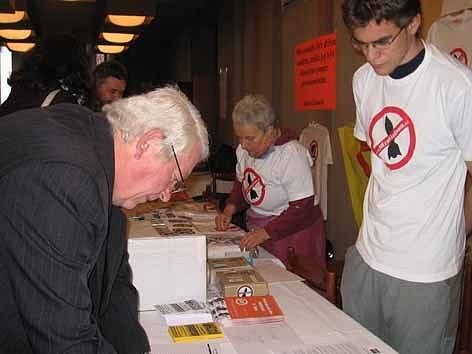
(274, 181)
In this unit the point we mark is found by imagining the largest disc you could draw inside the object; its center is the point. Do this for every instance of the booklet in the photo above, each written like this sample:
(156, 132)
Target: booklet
(252, 310)
(192, 332)
(186, 312)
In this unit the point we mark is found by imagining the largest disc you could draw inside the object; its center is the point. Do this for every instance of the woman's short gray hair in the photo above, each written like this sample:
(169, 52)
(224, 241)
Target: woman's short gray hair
(255, 110)
(166, 109)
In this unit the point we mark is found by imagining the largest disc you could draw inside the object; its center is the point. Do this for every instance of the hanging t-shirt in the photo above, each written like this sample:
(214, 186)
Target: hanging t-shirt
(315, 137)
(418, 129)
(271, 181)
(452, 34)
(450, 6)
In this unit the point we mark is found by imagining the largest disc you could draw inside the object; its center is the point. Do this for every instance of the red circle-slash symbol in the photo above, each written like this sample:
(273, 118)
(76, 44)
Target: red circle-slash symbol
(392, 137)
(314, 150)
(460, 55)
(253, 187)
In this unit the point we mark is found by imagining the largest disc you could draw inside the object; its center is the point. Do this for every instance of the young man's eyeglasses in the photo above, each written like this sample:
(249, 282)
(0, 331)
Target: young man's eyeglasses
(180, 185)
(379, 44)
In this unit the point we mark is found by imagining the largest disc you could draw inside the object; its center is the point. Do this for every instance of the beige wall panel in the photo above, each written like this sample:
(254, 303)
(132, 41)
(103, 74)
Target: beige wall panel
(302, 20)
(431, 12)
(261, 48)
(342, 227)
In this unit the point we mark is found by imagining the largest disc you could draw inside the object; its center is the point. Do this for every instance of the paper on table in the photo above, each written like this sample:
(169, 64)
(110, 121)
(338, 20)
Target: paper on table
(262, 339)
(168, 269)
(140, 227)
(187, 348)
(342, 348)
(273, 273)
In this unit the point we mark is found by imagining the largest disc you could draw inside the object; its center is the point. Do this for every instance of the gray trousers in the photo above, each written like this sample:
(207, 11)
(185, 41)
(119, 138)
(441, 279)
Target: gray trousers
(413, 318)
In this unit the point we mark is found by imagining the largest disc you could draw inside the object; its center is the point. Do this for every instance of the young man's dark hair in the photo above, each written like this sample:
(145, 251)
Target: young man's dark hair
(358, 13)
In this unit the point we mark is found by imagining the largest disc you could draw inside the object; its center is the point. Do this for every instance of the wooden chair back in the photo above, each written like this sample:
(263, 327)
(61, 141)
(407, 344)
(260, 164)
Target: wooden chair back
(315, 275)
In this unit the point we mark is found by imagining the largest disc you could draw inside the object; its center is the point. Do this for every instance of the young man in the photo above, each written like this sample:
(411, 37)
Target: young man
(65, 281)
(110, 80)
(402, 278)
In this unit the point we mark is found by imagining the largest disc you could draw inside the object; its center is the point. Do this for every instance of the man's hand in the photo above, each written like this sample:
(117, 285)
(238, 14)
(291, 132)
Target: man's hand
(253, 239)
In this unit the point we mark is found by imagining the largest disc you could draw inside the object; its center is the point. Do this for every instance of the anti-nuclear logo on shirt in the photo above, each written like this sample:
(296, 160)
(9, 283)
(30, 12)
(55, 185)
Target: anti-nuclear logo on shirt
(392, 137)
(253, 187)
(314, 149)
(460, 54)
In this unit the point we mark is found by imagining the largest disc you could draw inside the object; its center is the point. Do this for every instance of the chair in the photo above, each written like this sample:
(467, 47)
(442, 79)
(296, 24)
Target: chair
(316, 276)
(465, 314)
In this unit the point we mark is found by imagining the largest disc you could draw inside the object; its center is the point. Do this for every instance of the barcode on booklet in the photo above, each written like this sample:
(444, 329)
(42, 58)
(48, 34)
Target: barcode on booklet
(189, 305)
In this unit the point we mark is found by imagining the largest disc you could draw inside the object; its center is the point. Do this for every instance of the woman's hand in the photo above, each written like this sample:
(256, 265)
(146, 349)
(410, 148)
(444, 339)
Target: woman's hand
(223, 220)
(253, 239)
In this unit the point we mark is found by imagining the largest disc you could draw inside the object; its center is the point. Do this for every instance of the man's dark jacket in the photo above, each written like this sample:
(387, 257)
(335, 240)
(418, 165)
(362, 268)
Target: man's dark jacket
(64, 272)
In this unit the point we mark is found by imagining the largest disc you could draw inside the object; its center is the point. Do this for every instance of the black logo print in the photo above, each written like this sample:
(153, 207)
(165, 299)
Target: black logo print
(393, 148)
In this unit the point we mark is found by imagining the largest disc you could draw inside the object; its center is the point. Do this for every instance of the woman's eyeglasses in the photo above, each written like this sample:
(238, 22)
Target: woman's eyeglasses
(180, 185)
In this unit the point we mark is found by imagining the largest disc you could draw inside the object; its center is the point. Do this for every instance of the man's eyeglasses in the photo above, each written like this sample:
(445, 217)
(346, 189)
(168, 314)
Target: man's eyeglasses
(180, 185)
(380, 44)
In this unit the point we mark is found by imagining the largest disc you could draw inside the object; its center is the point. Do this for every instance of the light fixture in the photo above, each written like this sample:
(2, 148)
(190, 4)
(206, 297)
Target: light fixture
(110, 49)
(15, 34)
(12, 17)
(126, 20)
(125, 13)
(20, 46)
(118, 37)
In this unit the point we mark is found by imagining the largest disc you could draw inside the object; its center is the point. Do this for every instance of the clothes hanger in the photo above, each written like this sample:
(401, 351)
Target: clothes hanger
(457, 15)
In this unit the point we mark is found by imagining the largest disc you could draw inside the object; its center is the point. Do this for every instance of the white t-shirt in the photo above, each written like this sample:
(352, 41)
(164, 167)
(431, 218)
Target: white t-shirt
(270, 182)
(315, 137)
(419, 129)
(452, 34)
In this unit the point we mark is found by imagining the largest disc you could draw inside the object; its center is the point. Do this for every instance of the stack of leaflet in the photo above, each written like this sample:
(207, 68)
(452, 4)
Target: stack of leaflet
(242, 311)
(186, 312)
(194, 332)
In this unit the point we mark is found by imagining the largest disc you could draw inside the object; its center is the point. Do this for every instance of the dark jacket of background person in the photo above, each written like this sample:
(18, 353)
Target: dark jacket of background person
(56, 63)
(64, 273)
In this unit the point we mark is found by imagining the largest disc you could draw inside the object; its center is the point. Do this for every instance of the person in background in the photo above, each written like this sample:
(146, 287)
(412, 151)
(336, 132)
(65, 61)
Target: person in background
(110, 80)
(402, 279)
(65, 279)
(274, 181)
(55, 71)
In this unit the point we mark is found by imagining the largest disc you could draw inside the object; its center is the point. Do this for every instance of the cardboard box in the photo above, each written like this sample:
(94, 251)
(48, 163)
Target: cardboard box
(168, 269)
(242, 283)
(215, 265)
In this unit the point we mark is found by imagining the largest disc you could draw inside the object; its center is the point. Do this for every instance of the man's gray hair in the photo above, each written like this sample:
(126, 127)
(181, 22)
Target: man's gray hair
(166, 109)
(254, 110)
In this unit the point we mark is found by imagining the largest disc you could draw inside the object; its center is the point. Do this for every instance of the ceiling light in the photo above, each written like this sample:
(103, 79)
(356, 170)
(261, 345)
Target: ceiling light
(110, 49)
(12, 17)
(118, 37)
(127, 20)
(19, 47)
(15, 34)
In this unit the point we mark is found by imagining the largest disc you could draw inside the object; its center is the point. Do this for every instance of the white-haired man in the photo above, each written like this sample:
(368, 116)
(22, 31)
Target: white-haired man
(64, 272)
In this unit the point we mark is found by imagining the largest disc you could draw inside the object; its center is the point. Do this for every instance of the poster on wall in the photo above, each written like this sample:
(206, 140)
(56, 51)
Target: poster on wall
(315, 74)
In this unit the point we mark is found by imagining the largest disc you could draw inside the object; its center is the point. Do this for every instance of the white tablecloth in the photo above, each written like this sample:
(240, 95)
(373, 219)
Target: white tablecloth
(309, 316)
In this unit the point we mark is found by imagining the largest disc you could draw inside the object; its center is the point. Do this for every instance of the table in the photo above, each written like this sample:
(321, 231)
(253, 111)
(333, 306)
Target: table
(312, 318)
(309, 320)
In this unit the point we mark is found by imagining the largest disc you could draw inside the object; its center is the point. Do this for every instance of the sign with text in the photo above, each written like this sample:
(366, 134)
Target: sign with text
(315, 74)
